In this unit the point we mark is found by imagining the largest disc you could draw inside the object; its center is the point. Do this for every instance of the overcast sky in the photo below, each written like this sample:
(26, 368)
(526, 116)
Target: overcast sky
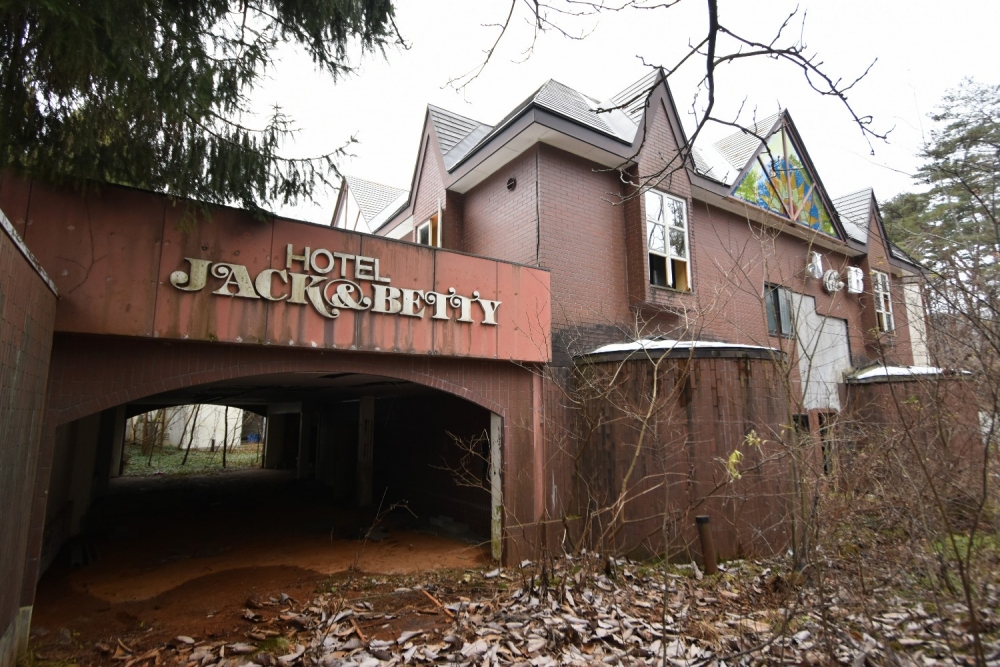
(922, 50)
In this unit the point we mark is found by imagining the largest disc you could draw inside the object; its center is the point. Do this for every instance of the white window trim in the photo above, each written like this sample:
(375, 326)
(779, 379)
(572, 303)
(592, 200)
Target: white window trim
(421, 227)
(882, 292)
(668, 255)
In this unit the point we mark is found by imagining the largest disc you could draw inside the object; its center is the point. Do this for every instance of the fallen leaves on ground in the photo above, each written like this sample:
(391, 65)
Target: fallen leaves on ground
(587, 610)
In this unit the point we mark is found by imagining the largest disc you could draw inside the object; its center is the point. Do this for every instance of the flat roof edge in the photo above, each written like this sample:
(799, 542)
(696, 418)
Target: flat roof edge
(8, 227)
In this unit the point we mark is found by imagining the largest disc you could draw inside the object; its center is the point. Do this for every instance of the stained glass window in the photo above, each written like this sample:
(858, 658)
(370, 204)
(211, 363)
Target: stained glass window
(779, 182)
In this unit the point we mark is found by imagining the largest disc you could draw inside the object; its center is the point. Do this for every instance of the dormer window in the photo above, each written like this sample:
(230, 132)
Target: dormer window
(667, 237)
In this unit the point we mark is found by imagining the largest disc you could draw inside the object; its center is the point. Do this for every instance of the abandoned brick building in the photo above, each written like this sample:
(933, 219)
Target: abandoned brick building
(761, 300)
(540, 278)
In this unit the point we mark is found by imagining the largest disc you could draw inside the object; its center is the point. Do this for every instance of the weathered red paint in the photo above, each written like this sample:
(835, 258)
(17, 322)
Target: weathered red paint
(111, 254)
(230, 236)
(450, 270)
(413, 268)
(102, 252)
(289, 323)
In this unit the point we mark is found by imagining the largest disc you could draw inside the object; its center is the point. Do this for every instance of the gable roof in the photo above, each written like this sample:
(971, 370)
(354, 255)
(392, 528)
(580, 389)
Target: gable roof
(450, 127)
(552, 96)
(741, 147)
(376, 203)
(855, 211)
(610, 133)
(632, 99)
(819, 209)
(574, 105)
(724, 160)
(373, 198)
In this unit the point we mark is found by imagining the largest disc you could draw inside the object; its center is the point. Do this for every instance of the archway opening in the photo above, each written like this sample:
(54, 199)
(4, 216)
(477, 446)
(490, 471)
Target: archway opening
(355, 472)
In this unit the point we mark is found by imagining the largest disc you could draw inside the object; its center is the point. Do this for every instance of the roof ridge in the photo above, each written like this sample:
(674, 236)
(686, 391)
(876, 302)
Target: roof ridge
(453, 113)
(630, 99)
(867, 189)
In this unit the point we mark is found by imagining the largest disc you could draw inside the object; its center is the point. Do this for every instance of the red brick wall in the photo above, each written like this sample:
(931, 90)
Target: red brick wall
(660, 169)
(501, 223)
(430, 188)
(582, 242)
(567, 215)
(737, 255)
(27, 318)
(895, 346)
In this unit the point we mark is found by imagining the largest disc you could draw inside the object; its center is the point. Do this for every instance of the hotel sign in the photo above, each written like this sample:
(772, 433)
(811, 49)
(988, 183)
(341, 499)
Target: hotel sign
(330, 282)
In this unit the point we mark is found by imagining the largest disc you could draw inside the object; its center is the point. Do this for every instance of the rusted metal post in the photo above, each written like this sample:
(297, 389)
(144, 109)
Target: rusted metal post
(707, 545)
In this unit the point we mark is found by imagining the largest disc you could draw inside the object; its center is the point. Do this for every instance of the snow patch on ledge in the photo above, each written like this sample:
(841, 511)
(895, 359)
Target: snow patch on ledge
(668, 344)
(896, 371)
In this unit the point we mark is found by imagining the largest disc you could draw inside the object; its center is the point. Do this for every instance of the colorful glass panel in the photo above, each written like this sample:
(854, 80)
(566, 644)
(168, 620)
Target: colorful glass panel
(814, 215)
(779, 182)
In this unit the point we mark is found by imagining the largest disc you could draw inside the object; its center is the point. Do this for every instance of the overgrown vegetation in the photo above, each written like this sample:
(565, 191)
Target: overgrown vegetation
(168, 461)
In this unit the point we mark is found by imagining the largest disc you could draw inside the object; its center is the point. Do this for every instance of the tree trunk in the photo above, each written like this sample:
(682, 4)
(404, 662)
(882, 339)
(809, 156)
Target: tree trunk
(194, 427)
(187, 423)
(157, 429)
(145, 433)
(225, 435)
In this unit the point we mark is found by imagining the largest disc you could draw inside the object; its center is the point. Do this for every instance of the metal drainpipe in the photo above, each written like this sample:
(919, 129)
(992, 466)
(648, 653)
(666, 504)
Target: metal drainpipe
(440, 224)
(707, 545)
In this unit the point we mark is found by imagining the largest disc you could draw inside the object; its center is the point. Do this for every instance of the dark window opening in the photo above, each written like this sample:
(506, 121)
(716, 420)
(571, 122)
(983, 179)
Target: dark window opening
(778, 302)
(658, 270)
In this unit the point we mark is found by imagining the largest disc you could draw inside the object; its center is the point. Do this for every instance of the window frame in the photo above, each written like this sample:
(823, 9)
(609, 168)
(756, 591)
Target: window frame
(885, 321)
(774, 297)
(431, 226)
(426, 225)
(667, 254)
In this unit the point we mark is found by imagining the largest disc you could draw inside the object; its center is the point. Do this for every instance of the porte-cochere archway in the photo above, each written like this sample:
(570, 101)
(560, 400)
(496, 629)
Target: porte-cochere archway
(419, 407)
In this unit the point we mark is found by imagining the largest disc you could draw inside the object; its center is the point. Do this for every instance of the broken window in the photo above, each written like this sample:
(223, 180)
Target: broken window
(883, 302)
(428, 233)
(778, 302)
(667, 237)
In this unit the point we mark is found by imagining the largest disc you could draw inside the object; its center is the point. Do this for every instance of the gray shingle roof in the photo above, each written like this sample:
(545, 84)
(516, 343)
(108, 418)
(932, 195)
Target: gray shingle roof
(740, 146)
(633, 98)
(901, 254)
(855, 213)
(552, 96)
(450, 127)
(701, 163)
(565, 101)
(372, 198)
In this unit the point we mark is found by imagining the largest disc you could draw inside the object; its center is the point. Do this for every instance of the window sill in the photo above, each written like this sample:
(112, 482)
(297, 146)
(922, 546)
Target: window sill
(885, 338)
(670, 290)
